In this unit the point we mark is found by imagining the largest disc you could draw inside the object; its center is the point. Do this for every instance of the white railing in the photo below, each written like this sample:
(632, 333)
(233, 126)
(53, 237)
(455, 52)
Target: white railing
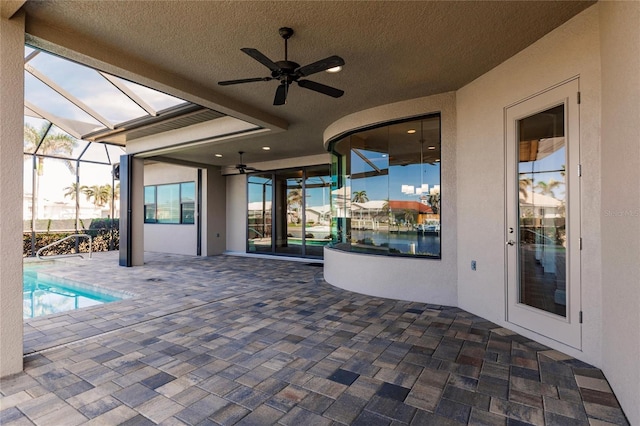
(39, 255)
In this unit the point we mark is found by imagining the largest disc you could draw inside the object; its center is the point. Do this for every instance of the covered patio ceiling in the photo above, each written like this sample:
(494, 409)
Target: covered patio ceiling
(393, 51)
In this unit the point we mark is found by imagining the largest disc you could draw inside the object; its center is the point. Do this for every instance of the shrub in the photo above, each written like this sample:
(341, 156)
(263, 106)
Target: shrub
(102, 240)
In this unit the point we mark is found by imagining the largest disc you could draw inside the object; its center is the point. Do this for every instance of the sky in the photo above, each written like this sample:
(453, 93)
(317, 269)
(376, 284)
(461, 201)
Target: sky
(95, 91)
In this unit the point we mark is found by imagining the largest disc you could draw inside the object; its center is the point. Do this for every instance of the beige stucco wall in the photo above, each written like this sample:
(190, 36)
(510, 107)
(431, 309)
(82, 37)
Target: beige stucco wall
(170, 238)
(620, 213)
(236, 213)
(214, 223)
(11, 135)
(424, 280)
(570, 50)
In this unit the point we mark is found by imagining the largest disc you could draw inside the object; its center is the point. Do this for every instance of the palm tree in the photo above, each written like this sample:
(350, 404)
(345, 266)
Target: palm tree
(385, 211)
(101, 194)
(71, 190)
(524, 184)
(294, 199)
(409, 216)
(546, 188)
(52, 144)
(49, 144)
(360, 197)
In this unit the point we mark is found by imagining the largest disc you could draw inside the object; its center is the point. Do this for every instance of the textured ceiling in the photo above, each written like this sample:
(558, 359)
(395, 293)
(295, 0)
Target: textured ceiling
(393, 51)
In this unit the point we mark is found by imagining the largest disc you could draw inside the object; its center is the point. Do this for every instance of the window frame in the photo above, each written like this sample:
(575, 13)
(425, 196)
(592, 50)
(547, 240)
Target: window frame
(181, 204)
(343, 228)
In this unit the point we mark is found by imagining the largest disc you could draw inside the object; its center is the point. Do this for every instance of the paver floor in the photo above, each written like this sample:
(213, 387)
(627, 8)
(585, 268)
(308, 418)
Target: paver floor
(249, 341)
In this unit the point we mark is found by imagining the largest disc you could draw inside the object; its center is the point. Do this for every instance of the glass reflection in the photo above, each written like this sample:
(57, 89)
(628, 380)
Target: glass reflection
(542, 211)
(386, 189)
(289, 227)
(317, 210)
(260, 189)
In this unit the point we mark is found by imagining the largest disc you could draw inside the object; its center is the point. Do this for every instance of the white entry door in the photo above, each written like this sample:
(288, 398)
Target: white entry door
(543, 240)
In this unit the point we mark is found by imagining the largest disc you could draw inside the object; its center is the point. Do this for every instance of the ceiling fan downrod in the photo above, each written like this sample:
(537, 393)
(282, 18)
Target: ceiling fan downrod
(286, 33)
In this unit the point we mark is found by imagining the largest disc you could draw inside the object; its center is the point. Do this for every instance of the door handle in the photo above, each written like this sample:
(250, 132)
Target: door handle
(510, 242)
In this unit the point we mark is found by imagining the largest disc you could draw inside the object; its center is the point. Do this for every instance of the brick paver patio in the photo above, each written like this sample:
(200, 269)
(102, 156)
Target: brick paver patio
(249, 341)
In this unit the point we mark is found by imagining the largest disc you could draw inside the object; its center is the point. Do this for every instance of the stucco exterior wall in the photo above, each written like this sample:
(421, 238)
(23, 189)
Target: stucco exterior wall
(214, 200)
(237, 213)
(570, 50)
(424, 280)
(11, 160)
(163, 237)
(620, 213)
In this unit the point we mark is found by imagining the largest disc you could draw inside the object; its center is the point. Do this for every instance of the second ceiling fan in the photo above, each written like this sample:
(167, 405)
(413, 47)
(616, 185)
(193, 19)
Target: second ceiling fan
(288, 72)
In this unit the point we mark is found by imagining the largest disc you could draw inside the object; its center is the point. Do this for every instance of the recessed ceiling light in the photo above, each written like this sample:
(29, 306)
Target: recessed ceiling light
(431, 147)
(411, 131)
(218, 155)
(335, 69)
(266, 148)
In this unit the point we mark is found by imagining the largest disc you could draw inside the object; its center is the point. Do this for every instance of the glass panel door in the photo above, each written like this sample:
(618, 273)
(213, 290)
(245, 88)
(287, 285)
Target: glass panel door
(289, 211)
(543, 214)
(317, 210)
(542, 197)
(289, 226)
(259, 213)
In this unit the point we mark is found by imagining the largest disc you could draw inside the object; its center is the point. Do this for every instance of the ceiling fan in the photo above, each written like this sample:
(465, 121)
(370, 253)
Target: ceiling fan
(288, 72)
(243, 168)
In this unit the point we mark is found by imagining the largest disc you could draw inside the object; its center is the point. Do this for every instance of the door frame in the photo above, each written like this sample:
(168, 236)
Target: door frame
(566, 330)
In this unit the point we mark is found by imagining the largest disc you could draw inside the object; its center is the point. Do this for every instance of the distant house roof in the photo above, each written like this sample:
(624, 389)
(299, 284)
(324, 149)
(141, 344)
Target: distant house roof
(410, 205)
(540, 200)
(259, 205)
(371, 204)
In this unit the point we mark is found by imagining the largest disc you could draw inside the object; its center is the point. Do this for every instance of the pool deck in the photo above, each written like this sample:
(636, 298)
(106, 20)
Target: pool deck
(253, 341)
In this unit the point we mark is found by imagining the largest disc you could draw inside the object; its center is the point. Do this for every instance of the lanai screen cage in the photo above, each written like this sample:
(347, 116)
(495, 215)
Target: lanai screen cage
(75, 124)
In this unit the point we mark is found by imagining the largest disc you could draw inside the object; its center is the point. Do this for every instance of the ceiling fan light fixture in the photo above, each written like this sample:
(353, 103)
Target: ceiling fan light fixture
(335, 69)
(288, 72)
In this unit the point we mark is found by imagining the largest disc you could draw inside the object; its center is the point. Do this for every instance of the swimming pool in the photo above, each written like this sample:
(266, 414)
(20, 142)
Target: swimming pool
(44, 294)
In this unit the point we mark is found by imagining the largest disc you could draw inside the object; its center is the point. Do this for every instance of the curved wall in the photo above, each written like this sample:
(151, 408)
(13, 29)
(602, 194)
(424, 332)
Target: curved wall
(415, 279)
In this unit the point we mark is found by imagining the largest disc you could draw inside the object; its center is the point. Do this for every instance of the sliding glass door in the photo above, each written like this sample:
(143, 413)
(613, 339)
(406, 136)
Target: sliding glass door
(289, 211)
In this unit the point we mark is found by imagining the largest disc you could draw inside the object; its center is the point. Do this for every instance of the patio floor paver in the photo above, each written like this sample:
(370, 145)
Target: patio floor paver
(237, 340)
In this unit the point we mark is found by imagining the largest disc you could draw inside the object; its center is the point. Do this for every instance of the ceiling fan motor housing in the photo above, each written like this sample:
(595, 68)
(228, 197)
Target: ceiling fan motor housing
(287, 69)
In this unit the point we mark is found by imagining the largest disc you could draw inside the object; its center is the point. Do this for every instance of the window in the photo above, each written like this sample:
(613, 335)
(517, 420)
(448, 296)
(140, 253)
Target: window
(173, 203)
(149, 204)
(385, 189)
(187, 202)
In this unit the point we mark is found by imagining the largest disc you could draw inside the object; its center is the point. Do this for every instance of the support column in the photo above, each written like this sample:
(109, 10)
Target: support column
(131, 211)
(11, 160)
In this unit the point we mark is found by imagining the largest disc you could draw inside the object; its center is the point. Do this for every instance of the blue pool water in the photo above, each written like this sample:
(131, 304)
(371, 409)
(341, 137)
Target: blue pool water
(44, 295)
